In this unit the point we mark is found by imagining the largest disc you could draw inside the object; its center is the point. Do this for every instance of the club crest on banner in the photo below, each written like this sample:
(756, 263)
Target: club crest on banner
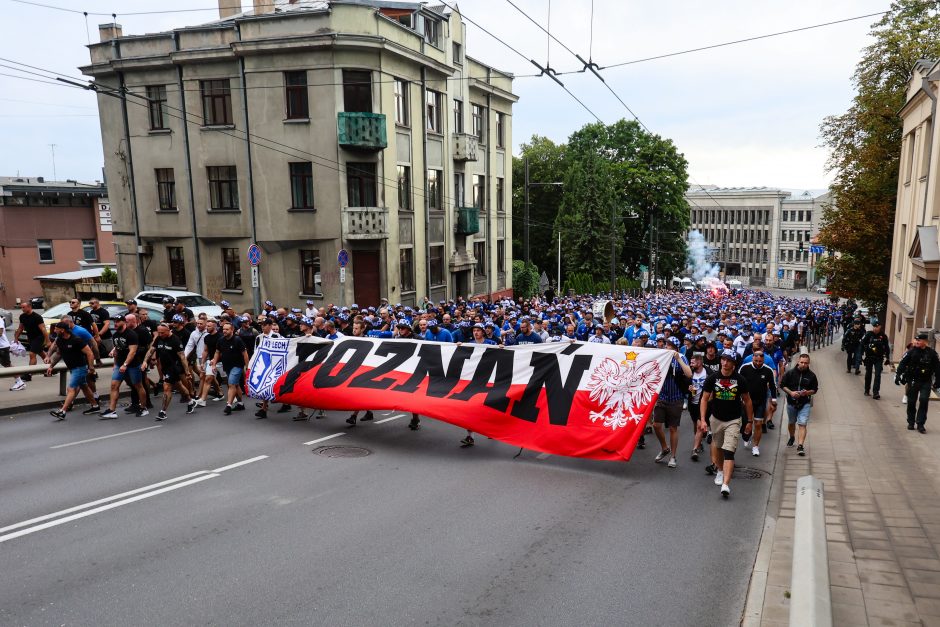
(623, 390)
(269, 363)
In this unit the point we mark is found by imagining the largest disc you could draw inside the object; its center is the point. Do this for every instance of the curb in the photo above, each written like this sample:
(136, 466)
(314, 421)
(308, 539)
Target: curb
(811, 603)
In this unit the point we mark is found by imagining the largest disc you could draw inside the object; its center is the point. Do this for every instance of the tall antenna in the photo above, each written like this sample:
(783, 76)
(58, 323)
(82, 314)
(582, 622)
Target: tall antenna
(54, 176)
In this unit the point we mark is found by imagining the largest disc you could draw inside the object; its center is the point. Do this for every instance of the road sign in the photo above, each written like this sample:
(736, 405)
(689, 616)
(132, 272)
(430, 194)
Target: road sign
(817, 250)
(254, 276)
(342, 258)
(254, 255)
(780, 273)
(342, 275)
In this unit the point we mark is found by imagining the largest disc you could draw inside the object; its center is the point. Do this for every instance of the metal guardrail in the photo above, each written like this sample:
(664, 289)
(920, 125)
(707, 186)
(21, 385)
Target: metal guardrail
(18, 371)
(810, 596)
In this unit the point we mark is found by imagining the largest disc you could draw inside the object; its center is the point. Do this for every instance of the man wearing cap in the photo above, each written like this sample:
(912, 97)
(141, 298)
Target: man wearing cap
(875, 351)
(168, 309)
(762, 388)
(725, 395)
(668, 410)
(128, 356)
(851, 343)
(79, 360)
(919, 366)
(435, 333)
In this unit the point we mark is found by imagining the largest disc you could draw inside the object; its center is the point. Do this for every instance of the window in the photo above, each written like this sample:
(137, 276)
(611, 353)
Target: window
(458, 54)
(459, 188)
(406, 259)
(166, 189)
(360, 184)
(435, 190)
(231, 269)
(500, 128)
(89, 250)
(401, 103)
(437, 265)
(156, 104)
(310, 272)
(223, 188)
(458, 116)
(404, 188)
(785, 214)
(434, 102)
(301, 185)
(216, 103)
(295, 94)
(45, 251)
(476, 112)
(432, 32)
(501, 256)
(479, 252)
(177, 266)
(357, 91)
(479, 192)
(405, 19)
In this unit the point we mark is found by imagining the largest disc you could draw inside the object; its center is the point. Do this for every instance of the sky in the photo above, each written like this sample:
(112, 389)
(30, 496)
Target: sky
(743, 115)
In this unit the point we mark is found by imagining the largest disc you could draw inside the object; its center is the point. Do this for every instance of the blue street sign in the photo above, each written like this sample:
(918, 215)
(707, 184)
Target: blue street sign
(780, 273)
(817, 250)
(254, 255)
(342, 258)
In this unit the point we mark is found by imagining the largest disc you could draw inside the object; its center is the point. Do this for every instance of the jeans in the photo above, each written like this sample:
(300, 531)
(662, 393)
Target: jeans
(918, 395)
(875, 386)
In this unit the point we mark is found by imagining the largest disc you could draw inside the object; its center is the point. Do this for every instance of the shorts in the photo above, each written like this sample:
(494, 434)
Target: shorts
(132, 374)
(668, 413)
(235, 376)
(725, 435)
(36, 345)
(78, 377)
(798, 415)
(760, 411)
(5, 358)
(172, 376)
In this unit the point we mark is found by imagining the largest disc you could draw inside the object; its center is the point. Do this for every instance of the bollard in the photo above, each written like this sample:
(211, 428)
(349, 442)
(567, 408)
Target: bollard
(810, 597)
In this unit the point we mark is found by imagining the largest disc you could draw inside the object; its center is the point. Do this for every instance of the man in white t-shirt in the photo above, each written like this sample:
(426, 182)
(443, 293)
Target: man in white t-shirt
(19, 384)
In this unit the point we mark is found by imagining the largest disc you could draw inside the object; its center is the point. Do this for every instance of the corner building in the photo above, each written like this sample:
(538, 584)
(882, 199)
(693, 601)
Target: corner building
(308, 128)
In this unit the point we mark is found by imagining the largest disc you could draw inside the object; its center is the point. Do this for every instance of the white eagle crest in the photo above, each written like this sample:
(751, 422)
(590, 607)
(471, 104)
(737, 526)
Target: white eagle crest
(622, 388)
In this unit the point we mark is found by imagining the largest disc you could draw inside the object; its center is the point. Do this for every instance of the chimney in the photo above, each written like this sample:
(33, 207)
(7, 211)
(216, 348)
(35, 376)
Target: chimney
(264, 6)
(228, 8)
(107, 32)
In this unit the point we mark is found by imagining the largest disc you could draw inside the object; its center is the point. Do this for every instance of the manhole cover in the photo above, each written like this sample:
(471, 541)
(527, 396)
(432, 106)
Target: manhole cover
(342, 451)
(744, 472)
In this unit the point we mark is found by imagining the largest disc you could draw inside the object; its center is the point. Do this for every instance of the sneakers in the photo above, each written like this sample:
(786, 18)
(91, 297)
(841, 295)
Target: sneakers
(143, 412)
(770, 425)
(351, 420)
(300, 416)
(755, 452)
(217, 398)
(132, 409)
(283, 409)
(904, 399)
(663, 454)
(368, 416)
(921, 429)
(720, 478)
(910, 427)
(108, 415)
(200, 402)
(876, 396)
(467, 441)
(239, 407)
(94, 409)
(228, 410)
(261, 414)
(867, 393)
(672, 462)
(18, 386)
(414, 425)
(791, 441)
(320, 415)
(695, 455)
(191, 406)
(642, 443)
(711, 469)
(58, 414)
(725, 491)
(161, 416)
(800, 450)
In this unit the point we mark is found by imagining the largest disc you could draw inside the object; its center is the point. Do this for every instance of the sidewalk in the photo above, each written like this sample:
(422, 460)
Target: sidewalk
(882, 499)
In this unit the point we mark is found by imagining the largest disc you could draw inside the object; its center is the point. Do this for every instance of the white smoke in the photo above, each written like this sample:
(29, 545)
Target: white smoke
(697, 264)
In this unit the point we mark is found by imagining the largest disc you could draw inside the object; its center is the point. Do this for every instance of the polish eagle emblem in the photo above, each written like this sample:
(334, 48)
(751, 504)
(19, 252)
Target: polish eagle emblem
(622, 388)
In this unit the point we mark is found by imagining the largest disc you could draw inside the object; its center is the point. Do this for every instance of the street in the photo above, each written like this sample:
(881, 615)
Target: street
(161, 525)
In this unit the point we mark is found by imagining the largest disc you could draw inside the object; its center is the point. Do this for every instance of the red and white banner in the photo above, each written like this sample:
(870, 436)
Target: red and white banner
(574, 399)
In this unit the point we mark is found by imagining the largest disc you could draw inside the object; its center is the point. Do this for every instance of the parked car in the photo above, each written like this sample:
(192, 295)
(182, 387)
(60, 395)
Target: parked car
(54, 314)
(36, 302)
(197, 303)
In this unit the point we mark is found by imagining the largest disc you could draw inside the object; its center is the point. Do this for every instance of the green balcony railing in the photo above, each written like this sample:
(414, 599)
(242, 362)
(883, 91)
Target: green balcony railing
(468, 220)
(362, 131)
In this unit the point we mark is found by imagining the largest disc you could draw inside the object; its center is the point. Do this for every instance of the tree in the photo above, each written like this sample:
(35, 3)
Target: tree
(546, 165)
(865, 150)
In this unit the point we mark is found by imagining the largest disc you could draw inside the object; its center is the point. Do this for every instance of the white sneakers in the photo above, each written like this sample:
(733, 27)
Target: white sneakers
(672, 462)
(725, 490)
(755, 452)
(18, 386)
(720, 478)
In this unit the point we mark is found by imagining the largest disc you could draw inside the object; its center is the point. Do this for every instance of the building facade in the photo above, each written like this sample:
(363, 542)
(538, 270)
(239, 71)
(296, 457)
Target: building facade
(48, 227)
(310, 129)
(915, 255)
(761, 236)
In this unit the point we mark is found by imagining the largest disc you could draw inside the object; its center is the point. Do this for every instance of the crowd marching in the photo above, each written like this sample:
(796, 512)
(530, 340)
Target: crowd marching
(736, 353)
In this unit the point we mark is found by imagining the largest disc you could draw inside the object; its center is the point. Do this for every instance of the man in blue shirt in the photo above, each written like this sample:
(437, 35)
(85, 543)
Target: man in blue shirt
(437, 334)
(526, 335)
(668, 410)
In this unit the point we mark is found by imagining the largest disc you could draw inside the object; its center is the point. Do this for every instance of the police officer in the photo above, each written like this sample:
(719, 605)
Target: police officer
(919, 366)
(851, 342)
(875, 351)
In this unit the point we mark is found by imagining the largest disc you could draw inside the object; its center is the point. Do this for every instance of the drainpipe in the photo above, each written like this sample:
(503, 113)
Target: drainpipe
(255, 291)
(189, 167)
(427, 202)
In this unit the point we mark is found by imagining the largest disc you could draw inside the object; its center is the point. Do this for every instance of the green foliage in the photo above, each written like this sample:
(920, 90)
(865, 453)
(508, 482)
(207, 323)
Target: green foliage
(865, 149)
(108, 275)
(525, 279)
(546, 165)
(584, 283)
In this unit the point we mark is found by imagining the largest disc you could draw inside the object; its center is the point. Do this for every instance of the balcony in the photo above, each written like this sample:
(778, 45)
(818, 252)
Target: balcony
(362, 131)
(465, 147)
(468, 220)
(365, 223)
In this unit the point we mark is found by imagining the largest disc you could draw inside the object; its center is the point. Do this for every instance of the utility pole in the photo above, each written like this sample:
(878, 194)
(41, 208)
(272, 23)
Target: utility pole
(54, 176)
(558, 277)
(613, 249)
(649, 271)
(525, 223)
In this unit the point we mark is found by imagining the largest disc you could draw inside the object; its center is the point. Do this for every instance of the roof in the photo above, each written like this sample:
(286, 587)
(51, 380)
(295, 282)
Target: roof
(39, 182)
(76, 275)
(705, 190)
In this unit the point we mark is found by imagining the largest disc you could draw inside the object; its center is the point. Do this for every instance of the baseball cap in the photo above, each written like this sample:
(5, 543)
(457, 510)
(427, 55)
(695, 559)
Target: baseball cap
(728, 354)
(673, 340)
(130, 301)
(178, 318)
(309, 302)
(168, 299)
(269, 303)
(920, 336)
(225, 304)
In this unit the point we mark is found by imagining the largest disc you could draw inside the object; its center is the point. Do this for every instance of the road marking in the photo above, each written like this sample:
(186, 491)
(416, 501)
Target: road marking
(97, 510)
(396, 417)
(329, 437)
(105, 437)
(543, 456)
(242, 463)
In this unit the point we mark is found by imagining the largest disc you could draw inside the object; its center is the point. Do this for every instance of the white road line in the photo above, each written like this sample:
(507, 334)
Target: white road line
(242, 463)
(543, 456)
(329, 437)
(100, 501)
(378, 422)
(91, 512)
(105, 437)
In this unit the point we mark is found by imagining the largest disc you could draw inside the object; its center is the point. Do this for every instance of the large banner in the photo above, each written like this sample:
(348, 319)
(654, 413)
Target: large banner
(575, 399)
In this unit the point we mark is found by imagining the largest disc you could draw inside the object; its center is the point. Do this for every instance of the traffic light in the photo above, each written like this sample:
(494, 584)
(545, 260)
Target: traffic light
(801, 245)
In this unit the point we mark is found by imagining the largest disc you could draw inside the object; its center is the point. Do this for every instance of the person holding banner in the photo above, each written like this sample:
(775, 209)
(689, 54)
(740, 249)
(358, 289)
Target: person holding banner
(668, 410)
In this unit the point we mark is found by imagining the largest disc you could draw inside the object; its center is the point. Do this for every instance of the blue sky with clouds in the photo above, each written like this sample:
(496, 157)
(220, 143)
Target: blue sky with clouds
(743, 115)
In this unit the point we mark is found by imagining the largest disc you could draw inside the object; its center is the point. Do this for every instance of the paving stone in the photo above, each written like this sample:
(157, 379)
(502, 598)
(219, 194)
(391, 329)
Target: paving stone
(843, 614)
(847, 596)
(888, 579)
(885, 566)
(920, 563)
(927, 607)
(881, 592)
(892, 610)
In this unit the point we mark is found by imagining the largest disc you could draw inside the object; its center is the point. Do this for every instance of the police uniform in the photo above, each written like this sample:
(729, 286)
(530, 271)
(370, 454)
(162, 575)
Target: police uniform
(875, 351)
(917, 369)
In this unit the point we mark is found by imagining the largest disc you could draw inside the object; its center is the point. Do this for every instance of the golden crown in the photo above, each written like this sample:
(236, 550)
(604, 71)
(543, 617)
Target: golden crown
(631, 356)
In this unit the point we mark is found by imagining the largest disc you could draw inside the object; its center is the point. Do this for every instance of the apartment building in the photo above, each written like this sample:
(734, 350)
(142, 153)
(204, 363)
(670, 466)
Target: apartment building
(327, 133)
(915, 255)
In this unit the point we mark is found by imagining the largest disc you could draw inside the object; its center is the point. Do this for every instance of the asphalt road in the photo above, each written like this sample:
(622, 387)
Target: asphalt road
(151, 528)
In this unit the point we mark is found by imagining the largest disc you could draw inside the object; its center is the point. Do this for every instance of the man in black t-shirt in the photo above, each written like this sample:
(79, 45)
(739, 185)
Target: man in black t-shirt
(86, 321)
(37, 336)
(231, 351)
(80, 361)
(102, 320)
(128, 355)
(173, 368)
(761, 386)
(725, 394)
